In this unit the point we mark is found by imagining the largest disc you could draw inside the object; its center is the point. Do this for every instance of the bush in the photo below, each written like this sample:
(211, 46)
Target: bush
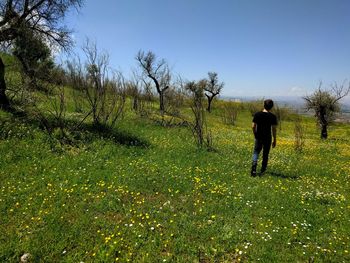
(298, 134)
(255, 106)
(230, 113)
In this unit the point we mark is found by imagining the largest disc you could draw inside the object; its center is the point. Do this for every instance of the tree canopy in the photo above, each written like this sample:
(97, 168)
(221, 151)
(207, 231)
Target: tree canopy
(42, 16)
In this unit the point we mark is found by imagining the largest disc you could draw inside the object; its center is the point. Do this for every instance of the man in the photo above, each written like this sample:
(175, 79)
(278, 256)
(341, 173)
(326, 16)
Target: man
(263, 122)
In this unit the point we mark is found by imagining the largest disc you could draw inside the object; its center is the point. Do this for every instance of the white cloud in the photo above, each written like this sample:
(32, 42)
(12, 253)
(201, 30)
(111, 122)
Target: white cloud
(296, 91)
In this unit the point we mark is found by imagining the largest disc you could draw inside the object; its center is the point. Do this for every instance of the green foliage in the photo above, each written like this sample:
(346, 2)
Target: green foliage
(34, 55)
(10, 62)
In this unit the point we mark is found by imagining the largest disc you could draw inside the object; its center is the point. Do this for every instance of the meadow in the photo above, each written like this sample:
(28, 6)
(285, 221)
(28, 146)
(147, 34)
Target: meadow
(146, 193)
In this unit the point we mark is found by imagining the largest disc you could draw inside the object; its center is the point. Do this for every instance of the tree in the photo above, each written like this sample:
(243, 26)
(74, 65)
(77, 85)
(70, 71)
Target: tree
(4, 102)
(34, 55)
(212, 88)
(104, 96)
(196, 90)
(43, 17)
(157, 71)
(133, 90)
(325, 104)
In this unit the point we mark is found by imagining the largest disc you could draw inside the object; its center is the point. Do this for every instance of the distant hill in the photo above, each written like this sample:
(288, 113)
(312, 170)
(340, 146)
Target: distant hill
(294, 102)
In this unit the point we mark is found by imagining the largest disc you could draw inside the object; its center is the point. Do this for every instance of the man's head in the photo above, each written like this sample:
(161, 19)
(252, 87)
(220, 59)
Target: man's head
(268, 104)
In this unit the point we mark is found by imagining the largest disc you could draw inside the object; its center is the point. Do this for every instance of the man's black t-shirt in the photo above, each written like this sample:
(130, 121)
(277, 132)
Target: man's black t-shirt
(264, 121)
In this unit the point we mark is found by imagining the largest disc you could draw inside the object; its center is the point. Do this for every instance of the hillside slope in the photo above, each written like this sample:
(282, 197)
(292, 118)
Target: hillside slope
(147, 194)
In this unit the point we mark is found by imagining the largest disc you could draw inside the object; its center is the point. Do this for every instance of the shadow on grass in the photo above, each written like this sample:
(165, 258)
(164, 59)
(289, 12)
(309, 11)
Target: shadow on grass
(284, 176)
(341, 140)
(71, 132)
(115, 135)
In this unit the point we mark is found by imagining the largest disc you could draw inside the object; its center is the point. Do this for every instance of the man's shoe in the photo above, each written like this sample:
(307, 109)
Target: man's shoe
(262, 171)
(253, 171)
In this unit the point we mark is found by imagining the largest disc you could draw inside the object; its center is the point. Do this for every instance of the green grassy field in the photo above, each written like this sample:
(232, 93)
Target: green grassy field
(147, 194)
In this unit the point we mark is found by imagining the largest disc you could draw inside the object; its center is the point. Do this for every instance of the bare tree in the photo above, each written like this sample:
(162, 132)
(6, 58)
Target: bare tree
(212, 88)
(196, 90)
(44, 17)
(133, 90)
(197, 109)
(325, 104)
(116, 99)
(147, 98)
(106, 97)
(158, 71)
(97, 70)
(58, 108)
(176, 96)
(76, 78)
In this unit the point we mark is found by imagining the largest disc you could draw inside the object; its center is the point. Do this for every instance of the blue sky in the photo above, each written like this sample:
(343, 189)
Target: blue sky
(260, 48)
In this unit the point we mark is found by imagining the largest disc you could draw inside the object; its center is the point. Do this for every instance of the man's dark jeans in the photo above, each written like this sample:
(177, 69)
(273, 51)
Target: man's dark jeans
(264, 145)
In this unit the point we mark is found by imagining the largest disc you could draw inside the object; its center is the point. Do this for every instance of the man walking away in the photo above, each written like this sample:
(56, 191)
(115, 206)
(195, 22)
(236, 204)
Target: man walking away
(263, 122)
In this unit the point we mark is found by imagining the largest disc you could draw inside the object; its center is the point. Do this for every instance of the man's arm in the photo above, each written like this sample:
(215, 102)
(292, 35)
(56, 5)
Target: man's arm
(274, 134)
(254, 129)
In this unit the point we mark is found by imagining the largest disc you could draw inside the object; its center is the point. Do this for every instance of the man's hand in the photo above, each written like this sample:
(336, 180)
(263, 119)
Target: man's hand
(274, 144)
(274, 132)
(254, 130)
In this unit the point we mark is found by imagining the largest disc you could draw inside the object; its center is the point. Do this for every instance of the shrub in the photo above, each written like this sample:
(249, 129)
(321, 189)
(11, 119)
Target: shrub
(298, 134)
(230, 113)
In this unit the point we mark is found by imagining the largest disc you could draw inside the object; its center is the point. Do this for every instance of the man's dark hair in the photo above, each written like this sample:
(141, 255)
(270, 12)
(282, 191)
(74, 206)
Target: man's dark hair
(268, 104)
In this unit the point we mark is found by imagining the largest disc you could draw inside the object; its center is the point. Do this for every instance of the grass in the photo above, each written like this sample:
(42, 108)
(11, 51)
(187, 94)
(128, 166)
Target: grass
(160, 199)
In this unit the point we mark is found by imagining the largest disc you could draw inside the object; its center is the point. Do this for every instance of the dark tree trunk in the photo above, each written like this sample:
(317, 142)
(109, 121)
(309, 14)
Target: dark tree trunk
(210, 99)
(324, 133)
(4, 102)
(324, 123)
(161, 102)
(135, 105)
(160, 92)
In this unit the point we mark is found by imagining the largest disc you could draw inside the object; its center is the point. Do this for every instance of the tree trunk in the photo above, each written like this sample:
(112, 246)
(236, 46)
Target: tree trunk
(210, 99)
(4, 102)
(324, 123)
(135, 105)
(161, 102)
(324, 133)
